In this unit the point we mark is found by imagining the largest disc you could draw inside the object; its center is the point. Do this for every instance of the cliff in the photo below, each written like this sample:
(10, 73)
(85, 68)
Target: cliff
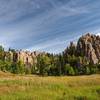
(28, 58)
(89, 46)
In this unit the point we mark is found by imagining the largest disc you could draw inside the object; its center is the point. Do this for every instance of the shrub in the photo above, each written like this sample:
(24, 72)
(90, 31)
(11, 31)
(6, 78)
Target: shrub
(69, 70)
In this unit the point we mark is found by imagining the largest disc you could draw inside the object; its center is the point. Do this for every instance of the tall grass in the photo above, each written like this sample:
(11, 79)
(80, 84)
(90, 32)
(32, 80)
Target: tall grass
(16, 87)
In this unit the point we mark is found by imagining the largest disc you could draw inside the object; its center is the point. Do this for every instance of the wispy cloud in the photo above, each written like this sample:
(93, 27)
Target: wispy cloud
(46, 25)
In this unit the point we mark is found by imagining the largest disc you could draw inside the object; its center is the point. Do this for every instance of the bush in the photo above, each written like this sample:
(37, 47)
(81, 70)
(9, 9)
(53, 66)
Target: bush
(69, 70)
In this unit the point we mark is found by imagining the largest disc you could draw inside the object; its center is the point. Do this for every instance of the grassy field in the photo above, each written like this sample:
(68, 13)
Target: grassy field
(16, 87)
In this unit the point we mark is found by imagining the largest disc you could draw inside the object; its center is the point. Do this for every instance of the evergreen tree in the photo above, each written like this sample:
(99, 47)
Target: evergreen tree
(87, 70)
(69, 70)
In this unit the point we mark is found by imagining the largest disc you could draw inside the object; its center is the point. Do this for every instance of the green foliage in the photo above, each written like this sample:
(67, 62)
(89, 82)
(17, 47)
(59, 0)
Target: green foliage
(34, 69)
(69, 70)
(1, 49)
(93, 70)
(72, 60)
(21, 67)
(18, 67)
(87, 70)
(5, 65)
(71, 50)
(43, 64)
(28, 71)
(98, 67)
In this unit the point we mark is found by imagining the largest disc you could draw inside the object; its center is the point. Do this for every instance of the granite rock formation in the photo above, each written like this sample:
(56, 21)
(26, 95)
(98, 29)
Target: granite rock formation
(28, 58)
(89, 46)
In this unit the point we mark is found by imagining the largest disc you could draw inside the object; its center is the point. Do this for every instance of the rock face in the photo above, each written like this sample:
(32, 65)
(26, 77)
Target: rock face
(28, 58)
(89, 46)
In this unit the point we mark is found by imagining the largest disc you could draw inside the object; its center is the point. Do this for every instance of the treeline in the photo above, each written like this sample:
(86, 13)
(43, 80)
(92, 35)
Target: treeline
(68, 62)
(62, 64)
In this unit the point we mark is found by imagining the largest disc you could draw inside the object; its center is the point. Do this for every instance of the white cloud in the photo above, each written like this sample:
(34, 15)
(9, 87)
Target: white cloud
(98, 34)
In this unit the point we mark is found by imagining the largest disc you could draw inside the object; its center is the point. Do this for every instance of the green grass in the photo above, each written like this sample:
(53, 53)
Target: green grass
(16, 87)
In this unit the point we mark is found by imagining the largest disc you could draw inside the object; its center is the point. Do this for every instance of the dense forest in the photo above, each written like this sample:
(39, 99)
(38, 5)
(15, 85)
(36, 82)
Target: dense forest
(72, 61)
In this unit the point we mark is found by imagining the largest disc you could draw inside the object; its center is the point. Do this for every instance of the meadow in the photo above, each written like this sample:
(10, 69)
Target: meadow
(28, 87)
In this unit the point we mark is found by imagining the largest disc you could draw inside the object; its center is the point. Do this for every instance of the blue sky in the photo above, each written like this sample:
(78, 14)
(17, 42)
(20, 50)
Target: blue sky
(46, 25)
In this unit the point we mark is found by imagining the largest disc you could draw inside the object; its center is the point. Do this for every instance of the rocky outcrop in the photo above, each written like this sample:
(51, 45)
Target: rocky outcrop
(28, 58)
(89, 46)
